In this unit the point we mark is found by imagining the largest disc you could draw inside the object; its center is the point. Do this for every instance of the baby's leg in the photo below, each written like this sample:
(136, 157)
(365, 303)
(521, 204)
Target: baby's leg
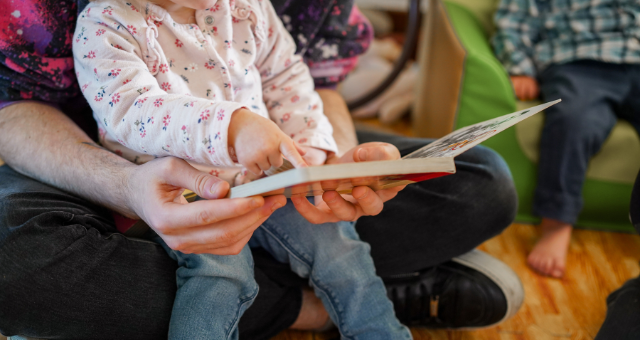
(574, 131)
(213, 293)
(339, 268)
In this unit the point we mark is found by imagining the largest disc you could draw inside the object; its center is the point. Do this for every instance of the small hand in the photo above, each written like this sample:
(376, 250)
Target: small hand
(526, 87)
(259, 144)
(215, 226)
(363, 200)
(313, 156)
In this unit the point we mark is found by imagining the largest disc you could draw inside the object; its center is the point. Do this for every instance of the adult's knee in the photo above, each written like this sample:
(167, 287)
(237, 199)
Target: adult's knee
(496, 201)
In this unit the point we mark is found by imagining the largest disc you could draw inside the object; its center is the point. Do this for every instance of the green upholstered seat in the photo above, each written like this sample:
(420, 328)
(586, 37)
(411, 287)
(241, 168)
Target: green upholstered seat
(482, 91)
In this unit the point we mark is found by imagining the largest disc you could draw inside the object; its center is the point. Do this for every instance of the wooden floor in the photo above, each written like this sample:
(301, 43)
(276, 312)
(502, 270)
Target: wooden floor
(571, 308)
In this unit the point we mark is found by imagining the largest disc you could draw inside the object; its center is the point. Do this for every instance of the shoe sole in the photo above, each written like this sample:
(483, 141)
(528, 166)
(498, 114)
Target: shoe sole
(501, 274)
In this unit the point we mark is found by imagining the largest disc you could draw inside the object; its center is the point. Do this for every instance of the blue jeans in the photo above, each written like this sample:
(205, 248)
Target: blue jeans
(594, 95)
(214, 291)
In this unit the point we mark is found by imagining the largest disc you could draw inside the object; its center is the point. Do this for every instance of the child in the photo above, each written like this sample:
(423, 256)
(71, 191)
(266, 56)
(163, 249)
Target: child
(197, 79)
(586, 53)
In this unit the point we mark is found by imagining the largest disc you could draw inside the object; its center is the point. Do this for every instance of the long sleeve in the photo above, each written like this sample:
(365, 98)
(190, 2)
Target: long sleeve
(112, 65)
(329, 34)
(288, 88)
(518, 27)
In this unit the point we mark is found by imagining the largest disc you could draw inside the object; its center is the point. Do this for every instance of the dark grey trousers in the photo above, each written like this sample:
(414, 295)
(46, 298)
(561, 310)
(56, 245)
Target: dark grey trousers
(66, 273)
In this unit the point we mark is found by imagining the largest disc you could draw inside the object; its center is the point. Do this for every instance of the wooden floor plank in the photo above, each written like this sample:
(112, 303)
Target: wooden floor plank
(571, 308)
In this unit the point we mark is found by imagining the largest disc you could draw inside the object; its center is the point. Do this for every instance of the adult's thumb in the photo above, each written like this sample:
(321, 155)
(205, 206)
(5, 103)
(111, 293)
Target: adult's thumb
(183, 175)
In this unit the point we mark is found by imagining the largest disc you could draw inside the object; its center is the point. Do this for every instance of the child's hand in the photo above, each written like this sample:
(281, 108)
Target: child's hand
(313, 156)
(526, 87)
(259, 144)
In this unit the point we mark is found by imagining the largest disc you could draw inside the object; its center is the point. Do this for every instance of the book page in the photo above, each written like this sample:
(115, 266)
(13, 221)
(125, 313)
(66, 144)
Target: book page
(345, 186)
(465, 138)
(450, 145)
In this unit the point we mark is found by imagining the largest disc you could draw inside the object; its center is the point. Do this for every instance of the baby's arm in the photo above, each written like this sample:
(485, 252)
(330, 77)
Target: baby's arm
(127, 99)
(517, 27)
(288, 91)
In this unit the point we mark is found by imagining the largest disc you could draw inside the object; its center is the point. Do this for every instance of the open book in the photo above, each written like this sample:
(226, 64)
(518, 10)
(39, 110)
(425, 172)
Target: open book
(433, 160)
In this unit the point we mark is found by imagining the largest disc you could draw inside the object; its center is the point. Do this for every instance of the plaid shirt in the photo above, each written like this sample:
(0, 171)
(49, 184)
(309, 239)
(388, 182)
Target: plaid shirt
(533, 34)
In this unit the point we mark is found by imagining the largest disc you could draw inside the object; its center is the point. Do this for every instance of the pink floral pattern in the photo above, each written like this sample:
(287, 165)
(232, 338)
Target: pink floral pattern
(196, 93)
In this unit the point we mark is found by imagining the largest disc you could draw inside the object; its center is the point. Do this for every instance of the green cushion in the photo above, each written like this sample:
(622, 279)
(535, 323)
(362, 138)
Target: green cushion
(486, 93)
(483, 10)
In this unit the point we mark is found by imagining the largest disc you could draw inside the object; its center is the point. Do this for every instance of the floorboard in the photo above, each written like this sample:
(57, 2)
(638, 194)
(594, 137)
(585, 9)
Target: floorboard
(571, 308)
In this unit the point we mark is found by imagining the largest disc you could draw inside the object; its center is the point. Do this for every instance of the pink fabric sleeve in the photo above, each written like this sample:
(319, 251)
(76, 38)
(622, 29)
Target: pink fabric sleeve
(288, 88)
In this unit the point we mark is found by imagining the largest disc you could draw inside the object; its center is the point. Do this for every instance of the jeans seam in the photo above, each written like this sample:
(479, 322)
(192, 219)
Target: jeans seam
(315, 283)
(234, 322)
(333, 304)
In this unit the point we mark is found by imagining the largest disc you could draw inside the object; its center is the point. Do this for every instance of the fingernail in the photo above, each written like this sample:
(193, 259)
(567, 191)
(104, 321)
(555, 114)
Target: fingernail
(276, 206)
(255, 202)
(215, 189)
(362, 154)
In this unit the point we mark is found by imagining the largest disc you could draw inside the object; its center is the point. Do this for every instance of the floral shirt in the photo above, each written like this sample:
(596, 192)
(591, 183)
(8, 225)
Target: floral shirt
(36, 36)
(160, 88)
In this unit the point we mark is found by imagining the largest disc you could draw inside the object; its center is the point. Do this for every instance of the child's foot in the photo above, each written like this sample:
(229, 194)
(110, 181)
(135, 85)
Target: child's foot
(549, 255)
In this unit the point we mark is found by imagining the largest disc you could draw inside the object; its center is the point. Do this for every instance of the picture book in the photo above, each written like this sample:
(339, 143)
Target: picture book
(431, 161)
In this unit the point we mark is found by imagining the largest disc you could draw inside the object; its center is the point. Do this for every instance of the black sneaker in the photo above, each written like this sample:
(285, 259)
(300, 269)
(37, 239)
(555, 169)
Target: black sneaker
(471, 291)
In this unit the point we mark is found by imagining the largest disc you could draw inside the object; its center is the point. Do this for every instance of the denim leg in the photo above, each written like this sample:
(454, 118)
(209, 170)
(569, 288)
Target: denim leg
(213, 293)
(430, 222)
(574, 130)
(631, 108)
(339, 269)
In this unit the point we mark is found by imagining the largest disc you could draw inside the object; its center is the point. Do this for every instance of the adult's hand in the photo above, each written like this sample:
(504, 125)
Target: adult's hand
(69, 160)
(216, 226)
(334, 207)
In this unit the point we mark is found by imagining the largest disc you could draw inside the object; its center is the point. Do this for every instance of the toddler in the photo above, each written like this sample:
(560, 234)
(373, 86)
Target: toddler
(588, 54)
(217, 82)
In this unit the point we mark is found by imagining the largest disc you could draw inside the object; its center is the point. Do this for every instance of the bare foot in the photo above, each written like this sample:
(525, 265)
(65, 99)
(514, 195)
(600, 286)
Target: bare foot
(549, 255)
(312, 315)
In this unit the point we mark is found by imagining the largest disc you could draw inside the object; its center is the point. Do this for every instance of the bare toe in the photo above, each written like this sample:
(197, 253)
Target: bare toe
(548, 256)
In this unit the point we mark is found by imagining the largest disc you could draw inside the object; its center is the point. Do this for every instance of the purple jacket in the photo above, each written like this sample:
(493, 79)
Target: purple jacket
(36, 35)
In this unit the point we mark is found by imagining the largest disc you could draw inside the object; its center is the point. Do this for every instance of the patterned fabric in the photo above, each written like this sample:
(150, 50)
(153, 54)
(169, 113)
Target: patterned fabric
(330, 49)
(533, 34)
(36, 35)
(160, 88)
(35, 50)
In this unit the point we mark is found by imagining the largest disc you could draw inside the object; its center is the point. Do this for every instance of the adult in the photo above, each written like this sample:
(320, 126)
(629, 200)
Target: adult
(67, 273)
